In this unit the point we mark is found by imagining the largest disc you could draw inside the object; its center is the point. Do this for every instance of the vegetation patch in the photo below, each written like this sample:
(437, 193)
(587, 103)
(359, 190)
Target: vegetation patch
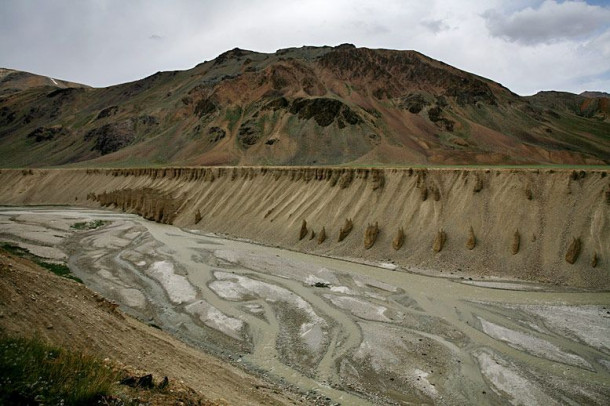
(36, 373)
(232, 115)
(57, 269)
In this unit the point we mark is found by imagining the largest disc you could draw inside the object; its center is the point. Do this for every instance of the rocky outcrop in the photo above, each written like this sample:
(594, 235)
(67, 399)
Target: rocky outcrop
(111, 137)
(249, 134)
(205, 107)
(414, 103)
(216, 134)
(47, 133)
(108, 112)
(325, 111)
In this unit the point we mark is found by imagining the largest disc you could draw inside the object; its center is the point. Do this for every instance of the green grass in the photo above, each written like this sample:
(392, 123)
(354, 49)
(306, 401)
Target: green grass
(232, 115)
(91, 225)
(36, 373)
(57, 269)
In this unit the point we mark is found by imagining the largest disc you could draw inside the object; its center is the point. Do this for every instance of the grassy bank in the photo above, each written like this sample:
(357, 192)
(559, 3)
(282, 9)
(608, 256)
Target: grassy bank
(57, 269)
(34, 372)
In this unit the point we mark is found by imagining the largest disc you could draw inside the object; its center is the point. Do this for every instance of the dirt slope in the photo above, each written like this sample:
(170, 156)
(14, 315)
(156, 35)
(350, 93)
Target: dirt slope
(35, 302)
(544, 225)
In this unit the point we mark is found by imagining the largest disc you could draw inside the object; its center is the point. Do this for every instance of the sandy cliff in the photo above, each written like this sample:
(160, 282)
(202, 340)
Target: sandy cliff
(545, 225)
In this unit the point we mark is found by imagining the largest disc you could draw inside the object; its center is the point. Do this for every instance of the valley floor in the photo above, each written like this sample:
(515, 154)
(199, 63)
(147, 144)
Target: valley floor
(321, 330)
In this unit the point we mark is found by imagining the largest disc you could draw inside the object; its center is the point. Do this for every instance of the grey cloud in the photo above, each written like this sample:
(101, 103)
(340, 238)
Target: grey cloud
(368, 28)
(155, 37)
(435, 26)
(550, 22)
(106, 42)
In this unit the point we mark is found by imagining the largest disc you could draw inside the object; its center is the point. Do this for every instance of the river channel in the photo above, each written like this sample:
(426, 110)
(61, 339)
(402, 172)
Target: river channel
(355, 333)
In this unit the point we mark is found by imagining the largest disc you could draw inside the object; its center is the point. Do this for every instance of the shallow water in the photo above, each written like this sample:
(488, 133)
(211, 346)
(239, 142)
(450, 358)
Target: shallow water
(354, 333)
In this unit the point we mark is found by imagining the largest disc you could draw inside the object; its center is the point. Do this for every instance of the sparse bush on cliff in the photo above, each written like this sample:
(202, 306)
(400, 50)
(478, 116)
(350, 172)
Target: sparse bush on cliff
(516, 242)
(209, 175)
(439, 241)
(423, 193)
(573, 250)
(399, 239)
(436, 193)
(322, 236)
(346, 229)
(478, 184)
(472, 240)
(346, 179)
(303, 231)
(378, 179)
(370, 235)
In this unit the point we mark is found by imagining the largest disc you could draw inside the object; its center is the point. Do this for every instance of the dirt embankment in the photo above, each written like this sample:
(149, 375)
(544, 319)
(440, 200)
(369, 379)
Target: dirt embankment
(35, 302)
(545, 225)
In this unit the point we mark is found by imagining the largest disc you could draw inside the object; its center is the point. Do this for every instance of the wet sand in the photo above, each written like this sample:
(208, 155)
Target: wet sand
(354, 333)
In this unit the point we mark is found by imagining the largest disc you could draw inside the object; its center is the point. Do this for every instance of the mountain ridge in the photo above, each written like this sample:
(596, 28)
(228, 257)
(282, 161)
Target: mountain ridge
(302, 106)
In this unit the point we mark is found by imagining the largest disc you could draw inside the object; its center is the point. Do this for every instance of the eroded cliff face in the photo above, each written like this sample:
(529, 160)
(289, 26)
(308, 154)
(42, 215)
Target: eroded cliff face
(542, 225)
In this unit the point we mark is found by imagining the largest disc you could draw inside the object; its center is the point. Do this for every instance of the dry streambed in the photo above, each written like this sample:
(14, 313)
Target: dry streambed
(353, 333)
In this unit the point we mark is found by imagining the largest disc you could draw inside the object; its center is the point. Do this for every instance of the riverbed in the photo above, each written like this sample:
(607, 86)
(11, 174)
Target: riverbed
(354, 333)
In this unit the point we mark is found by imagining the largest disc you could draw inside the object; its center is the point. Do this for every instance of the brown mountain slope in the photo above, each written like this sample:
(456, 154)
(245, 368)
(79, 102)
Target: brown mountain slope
(594, 94)
(587, 104)
(301, 106)
(12, 81)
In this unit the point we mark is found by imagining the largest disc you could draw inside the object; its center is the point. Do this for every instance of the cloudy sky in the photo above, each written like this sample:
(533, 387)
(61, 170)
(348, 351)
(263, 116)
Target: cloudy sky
(527, 45)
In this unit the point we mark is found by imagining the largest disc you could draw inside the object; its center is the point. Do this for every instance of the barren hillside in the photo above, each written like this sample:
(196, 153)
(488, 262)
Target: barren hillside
(298, 106)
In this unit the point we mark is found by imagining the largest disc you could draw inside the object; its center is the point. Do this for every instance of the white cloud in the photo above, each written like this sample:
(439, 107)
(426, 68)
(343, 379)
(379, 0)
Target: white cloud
(112, 41)
(548, 23)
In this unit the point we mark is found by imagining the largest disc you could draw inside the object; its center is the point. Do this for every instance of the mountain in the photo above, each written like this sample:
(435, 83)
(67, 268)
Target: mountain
(301, 106)
(587, 104)
(13, 81)
(595, 94)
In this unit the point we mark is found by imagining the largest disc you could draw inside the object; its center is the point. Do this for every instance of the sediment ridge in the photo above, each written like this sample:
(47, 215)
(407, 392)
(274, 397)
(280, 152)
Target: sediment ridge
(526, 221)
